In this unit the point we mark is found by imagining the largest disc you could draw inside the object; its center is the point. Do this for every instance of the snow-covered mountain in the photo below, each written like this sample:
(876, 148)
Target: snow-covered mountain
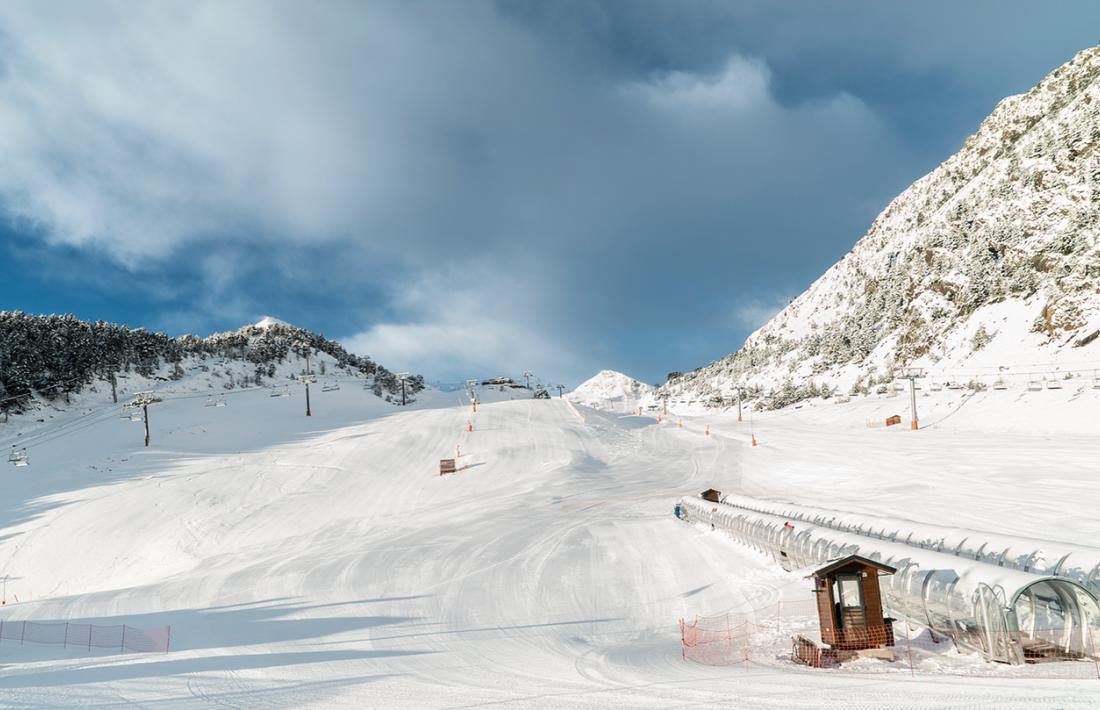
(44, 359)
(611, 391)
(986, 271)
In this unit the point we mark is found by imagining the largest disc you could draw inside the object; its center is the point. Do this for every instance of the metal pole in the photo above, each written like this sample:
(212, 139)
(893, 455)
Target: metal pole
(145, 409)
(913, 403)
(309, 413)
(402, 391)
(114, 388)
(738, 404)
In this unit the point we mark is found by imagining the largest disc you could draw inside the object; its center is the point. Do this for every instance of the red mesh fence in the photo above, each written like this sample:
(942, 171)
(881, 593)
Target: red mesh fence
(88, 636)
(789, 633)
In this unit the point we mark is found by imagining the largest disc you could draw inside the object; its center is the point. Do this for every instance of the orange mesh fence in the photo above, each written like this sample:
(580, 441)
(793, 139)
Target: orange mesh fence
(789, 633)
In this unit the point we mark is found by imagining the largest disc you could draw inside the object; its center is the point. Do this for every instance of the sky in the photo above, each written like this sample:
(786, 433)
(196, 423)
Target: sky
(475, 187)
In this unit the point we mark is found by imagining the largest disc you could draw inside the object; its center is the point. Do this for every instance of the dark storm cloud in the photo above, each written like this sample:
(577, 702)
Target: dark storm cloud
(475, 186)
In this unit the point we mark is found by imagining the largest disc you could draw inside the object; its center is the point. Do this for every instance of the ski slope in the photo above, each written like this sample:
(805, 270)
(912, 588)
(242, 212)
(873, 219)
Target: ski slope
(322, 562)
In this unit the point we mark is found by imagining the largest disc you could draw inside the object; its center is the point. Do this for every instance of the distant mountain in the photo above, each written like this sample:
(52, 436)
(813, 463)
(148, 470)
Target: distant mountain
(986, 268)
(57, 355)
(612, 391)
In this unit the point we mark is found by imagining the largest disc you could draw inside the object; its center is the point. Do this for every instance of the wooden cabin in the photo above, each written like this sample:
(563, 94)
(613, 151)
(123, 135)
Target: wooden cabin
(712, 495)
(849, 609)
(849, 604)
(446, 466)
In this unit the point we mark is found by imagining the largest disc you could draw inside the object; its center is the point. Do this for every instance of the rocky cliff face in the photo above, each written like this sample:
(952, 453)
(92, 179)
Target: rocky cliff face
(985, 266)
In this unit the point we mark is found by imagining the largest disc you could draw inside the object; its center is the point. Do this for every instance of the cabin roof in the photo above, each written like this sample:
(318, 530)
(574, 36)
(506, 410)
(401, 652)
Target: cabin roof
(853, 561)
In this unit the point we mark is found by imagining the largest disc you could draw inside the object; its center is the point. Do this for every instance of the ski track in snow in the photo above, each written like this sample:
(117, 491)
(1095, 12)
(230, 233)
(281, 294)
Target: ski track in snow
(323, 562)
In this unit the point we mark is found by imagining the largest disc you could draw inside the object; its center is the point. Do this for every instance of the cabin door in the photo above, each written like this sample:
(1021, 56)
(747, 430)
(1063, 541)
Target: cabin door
(853, 615)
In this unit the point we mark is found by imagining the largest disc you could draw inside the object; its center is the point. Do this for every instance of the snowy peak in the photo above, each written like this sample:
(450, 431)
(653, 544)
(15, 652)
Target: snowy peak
(988, 265)
(612, 391)
(268, 321)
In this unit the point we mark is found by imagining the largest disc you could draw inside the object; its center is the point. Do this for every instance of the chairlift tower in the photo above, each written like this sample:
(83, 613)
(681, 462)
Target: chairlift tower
(527, 376)
(305, 380)
(912, 374)
(143, 400)
(561, 390)
(403, 377)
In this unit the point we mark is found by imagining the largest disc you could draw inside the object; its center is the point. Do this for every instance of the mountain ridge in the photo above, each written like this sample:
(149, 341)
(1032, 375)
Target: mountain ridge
(987, 262)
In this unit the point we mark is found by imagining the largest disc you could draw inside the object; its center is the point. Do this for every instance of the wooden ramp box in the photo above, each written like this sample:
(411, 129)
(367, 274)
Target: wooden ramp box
(446, 466)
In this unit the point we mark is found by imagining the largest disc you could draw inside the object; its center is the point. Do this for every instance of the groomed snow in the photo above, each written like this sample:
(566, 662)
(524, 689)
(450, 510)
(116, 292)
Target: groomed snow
(322, 562)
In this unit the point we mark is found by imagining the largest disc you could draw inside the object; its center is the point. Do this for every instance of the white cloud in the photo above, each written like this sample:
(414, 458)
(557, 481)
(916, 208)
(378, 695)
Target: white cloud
(452, 326)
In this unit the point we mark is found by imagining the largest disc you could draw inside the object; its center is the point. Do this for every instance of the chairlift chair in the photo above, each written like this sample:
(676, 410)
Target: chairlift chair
(1000, 384)
(1054, 384)
(1095, 381)
(936, 386)
(1034, 385)
(18, 457)
(954, 385)
(283, 391)
(330, 386)
(218, 401)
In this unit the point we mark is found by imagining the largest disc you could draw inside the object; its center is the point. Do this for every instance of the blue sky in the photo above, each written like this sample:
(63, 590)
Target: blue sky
(464, 188)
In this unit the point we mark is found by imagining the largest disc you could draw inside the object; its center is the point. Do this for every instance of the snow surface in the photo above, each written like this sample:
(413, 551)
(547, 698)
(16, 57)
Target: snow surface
(322, 562)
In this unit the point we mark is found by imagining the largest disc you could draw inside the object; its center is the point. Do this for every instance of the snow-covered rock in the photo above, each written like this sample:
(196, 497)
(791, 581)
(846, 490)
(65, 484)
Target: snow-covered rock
(611, 391)
(268, 321)
(984, 271)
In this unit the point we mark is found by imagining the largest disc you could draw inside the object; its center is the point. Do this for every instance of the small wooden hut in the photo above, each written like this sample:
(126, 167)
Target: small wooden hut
(849, 609)
(712, 495)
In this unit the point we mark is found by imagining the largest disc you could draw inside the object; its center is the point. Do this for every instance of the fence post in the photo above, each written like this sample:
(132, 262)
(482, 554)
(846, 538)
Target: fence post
(909, 648)
(1, 630)
(65, 643)
(23, 633)
(122, 646)
(168, 640)
(90, 628)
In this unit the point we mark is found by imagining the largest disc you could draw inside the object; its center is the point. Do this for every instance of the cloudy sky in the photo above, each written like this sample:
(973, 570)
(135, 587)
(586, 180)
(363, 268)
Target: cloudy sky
(470, 187)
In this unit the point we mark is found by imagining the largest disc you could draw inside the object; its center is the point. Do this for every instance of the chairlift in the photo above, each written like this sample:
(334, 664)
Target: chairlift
(218, 401)
(1034, 385)
(18, 457)
(330, 386)
(1000, 384)
(283, 391)
(1054, 384)
(936, 386)
(1095, 381)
